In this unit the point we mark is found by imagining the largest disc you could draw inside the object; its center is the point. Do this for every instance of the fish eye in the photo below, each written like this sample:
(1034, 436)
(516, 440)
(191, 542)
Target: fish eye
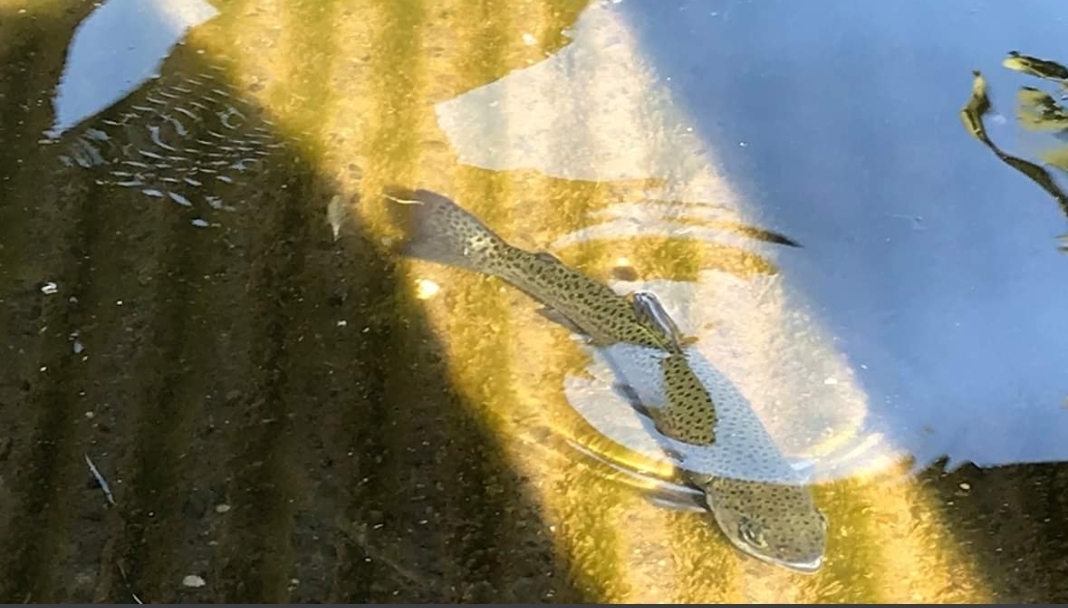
(751, 533)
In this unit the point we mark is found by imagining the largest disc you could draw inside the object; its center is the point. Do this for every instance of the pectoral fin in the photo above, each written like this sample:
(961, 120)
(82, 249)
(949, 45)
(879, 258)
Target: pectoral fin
(548, 257)
(557, 317)
(631, 396)
(684, 502)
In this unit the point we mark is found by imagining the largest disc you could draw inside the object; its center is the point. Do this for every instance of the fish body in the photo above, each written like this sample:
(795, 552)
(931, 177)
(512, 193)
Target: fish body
(720, 446)
(441, 231)
(715, 438)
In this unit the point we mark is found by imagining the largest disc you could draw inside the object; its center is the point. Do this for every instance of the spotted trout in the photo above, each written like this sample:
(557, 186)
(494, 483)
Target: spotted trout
(716, 440)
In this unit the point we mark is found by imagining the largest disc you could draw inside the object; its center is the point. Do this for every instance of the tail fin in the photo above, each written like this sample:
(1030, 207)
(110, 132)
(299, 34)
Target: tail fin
(438, 230)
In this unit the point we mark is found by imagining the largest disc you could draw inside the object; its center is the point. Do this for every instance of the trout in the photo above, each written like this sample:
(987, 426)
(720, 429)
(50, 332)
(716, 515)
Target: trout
(714, 437)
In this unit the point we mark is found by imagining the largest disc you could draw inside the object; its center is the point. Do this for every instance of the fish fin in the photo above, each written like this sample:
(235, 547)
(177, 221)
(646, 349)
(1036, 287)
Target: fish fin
(675, 456)
(559, 318)
(657, 415)
(653, 487)
(663, 423)
(631, 396)
(679, 501)
(555, 316)
(548, 257)
(439, 230)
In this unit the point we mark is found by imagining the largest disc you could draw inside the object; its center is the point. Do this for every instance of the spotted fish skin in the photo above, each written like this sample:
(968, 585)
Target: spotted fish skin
(189, 139)
(708, 429)
(720, 446)
(441, 231)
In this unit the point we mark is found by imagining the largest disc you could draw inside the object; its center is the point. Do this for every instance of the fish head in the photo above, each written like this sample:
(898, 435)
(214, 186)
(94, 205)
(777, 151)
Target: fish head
(773, 522)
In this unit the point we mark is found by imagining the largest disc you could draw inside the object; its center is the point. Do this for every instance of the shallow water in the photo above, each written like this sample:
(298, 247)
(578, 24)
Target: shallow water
(283, 415)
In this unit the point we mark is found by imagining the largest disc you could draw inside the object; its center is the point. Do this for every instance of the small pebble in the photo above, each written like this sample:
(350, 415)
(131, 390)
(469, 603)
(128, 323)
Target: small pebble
(223, 508)
(625, 272)
(965, 486)
(192, 580)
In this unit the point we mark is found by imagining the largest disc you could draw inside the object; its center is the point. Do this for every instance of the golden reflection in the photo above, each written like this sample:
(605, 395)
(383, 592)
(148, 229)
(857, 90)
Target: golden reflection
(355, 82)
(675, 258)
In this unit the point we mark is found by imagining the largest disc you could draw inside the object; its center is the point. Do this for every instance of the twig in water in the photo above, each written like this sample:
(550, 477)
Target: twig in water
(357, 534)
(100, 480)
(126, 581)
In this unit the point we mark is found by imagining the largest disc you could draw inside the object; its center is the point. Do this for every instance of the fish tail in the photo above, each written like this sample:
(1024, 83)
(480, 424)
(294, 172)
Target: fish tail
(439, 230)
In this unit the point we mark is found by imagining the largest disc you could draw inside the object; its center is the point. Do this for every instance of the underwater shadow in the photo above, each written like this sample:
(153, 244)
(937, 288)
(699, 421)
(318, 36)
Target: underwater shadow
(267, 406)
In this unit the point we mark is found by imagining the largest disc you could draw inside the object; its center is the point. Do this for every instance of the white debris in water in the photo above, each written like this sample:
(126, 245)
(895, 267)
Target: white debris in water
(199, 222)
(342, 323)
(965, 486)
(222, 508)
(49, 288)
(336, 212)
(426, 289)
(181, 200)
(103, 483)
(529, 39)
(192, 580)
